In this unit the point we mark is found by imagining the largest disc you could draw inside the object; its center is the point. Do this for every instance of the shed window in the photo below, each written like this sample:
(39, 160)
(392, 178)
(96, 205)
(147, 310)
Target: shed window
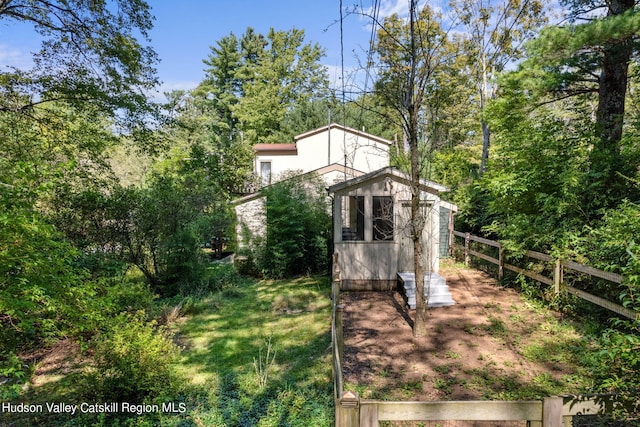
(353, 218)
(382, 218)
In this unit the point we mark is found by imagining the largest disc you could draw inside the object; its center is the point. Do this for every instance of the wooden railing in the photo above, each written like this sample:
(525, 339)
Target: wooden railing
(557, 279)
(336, 330)
(549, 412)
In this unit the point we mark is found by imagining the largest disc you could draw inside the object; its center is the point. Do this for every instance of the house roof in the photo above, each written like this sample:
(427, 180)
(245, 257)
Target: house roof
(334, 167)
(276, 149)
(356, 132)
(394, 174)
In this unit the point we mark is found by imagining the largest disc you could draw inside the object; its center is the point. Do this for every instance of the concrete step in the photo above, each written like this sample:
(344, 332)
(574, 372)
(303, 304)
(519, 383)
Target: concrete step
(436, 290)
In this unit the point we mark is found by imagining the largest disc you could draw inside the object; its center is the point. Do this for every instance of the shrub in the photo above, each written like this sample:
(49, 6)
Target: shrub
(133, 361)
(617, 367)
(298, 228)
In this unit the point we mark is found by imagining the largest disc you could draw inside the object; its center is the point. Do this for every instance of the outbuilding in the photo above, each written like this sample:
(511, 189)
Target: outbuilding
(372, 228)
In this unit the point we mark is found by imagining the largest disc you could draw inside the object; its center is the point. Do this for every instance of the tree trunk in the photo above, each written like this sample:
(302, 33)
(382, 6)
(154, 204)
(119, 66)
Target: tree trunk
(612, 90)
(417, 226)
(486, 134)
(486, 140)
(413, 104)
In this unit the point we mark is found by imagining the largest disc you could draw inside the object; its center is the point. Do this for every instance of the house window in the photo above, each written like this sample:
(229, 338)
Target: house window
(353, 218)
(265, 173)
(382, 218)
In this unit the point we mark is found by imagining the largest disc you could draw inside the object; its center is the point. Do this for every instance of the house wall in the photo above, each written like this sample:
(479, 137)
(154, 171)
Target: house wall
(321, 148)
(251, 222)
(362, 153)
(280, 164)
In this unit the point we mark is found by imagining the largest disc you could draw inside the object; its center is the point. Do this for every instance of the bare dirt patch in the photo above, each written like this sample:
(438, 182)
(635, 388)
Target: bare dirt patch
(490, 345)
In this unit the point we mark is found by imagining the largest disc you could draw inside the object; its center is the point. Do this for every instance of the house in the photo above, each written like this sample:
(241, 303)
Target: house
(372, 228)
(333, 152)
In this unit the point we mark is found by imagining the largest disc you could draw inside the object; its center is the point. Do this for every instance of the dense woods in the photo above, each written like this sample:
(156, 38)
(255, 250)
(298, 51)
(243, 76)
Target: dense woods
(108, 201)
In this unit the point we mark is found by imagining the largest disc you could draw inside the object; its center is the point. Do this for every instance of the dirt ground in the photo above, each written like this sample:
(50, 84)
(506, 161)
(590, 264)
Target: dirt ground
(475, 349)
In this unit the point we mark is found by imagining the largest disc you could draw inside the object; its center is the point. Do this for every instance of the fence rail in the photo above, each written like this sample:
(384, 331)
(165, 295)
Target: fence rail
(557, 281)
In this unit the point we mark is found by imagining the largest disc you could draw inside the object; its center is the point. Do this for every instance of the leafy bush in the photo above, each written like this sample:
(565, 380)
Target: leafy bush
(617, 368)
(298, 228)
(133, 362)
(43, 293)
(159, 228)
(13, 373)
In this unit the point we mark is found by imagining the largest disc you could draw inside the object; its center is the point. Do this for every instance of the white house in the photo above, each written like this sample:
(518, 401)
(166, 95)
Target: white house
(334, 152)
(336, 145)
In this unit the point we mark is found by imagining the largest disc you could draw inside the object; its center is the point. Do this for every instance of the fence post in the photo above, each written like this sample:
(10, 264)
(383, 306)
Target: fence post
(500, 262)
(552, 412)
(348, 410)
(339, 333)
(467, 247)
(558, 278)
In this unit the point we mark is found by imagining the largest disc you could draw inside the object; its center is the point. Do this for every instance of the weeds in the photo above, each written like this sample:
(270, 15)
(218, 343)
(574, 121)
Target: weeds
(265, 363)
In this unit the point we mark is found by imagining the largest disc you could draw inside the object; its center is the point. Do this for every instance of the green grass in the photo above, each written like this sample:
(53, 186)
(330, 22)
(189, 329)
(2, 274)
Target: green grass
(290, 317)
(228, 380)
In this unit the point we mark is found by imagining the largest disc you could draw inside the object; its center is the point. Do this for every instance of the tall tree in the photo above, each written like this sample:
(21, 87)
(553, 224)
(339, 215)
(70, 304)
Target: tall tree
(593, 58)
(496, 30)
(89, 53)
(415, 56)
(286, 73)
(222, 85)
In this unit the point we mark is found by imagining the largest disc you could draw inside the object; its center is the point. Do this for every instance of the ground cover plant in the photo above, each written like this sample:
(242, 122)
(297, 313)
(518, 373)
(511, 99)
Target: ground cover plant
(253, 353)
(261, 354)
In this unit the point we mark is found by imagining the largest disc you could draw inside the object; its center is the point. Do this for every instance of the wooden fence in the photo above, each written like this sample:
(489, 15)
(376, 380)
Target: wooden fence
(352, 411)
(557, 279)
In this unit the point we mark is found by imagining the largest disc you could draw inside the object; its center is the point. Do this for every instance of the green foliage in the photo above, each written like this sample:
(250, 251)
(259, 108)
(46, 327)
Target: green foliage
(286, 72)
(267, 87)
(159, 228)
(90, 56)
(617, 367)
(609, 243)
(133, 362)
(537, 173)
(43, 294)
(222, 276)
(298, 228)
(13, 374)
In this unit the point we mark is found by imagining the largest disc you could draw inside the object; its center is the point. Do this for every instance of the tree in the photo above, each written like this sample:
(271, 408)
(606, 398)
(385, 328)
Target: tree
(298, 228)
(592, 58)
(286, 73)
(496, 32)
(89, 55)
(415, 57)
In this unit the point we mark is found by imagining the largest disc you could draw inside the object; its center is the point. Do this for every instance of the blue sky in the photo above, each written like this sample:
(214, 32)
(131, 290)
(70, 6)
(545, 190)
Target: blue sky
(185, 30)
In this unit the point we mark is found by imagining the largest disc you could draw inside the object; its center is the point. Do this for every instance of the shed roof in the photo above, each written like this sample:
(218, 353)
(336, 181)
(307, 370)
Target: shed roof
(334, 167)
(392, 173)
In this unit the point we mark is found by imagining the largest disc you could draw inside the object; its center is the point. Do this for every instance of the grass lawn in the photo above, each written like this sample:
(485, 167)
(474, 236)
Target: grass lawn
(259, 355)
(255, 354)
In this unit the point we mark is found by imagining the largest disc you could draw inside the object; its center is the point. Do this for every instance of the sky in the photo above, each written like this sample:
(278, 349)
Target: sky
(184, 32)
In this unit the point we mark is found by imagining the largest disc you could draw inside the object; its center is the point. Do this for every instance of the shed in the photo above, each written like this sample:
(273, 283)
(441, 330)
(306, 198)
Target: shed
(371, 228)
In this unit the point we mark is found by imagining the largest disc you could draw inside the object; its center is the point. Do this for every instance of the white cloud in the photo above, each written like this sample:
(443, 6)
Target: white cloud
(166, 87)
(14, 57)
(391, 7)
